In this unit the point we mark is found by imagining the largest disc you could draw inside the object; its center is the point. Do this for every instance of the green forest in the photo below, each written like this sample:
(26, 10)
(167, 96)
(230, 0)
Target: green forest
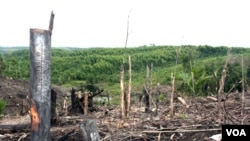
(196, 67)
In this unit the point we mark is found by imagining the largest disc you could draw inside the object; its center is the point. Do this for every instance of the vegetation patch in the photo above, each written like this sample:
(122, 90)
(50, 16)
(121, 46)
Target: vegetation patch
(2, 105)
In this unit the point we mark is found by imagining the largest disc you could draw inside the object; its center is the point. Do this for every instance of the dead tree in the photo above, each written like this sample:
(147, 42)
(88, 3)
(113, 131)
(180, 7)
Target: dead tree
(129, 84)
(173, 83)
(40, 91)
(53, 107)
(86, 102)
(128, 91)
(172, 95)
(40, 95)
(75, 107)
(146, 90)
(125, 96)
(122, 92)
(82, 103)
(221, 85)
(146, 99)
(126, 100)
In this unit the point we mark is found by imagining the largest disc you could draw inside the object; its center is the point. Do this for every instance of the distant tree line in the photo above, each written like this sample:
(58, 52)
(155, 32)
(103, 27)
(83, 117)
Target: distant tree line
(103, 64)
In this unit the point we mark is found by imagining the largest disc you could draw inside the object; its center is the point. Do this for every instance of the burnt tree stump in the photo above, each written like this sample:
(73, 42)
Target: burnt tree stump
(146, 100)
(75, 107)
(79, 102)
(89, 130)
(53, 108)
(40, 88)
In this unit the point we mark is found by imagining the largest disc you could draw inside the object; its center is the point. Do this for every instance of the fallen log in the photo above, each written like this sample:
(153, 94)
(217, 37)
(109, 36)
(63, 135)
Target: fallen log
(14, 128)
(212, 98)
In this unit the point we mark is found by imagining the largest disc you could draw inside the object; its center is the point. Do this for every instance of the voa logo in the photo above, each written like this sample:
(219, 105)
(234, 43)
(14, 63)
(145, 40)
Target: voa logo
(236, 132)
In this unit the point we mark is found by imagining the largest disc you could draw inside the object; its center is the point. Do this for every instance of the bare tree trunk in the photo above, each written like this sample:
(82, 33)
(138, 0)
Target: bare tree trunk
(86, 97)
(40, 91)
(129, 87)
(173, 85)
(221, 85)
(151, 85)
(172, 96)
(147, 79)
(193, 88)
(126, 100)
(122, 92)
(146, 89)
(40, 75)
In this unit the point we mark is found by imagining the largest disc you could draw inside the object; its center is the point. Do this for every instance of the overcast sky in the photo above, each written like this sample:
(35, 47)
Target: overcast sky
(102, 23)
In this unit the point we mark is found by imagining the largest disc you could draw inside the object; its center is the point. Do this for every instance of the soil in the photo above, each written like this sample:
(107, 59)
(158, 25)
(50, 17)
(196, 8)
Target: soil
(197, 120)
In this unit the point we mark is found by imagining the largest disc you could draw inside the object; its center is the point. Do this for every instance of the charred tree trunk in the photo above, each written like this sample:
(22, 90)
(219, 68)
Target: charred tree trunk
(40, 91)
(146, 90)
(75, 106)
(146, 100)
(74, 102)
(53, 108)
(83, 104)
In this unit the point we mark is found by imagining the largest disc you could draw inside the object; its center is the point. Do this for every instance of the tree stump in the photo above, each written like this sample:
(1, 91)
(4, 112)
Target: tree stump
(146, 100)
(85, 103)
(40, 85)
(75, 107)
(89, 130)
(53, 108)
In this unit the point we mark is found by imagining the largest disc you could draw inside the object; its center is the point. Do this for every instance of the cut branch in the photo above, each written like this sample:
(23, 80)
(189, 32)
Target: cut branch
(127, 34)
(51, 22)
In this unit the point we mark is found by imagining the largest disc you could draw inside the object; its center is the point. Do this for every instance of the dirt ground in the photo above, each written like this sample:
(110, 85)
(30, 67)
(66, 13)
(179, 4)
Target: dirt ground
(195, 121)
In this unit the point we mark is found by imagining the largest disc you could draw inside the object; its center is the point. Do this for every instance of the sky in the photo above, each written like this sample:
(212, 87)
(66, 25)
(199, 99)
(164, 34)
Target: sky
(103, 23)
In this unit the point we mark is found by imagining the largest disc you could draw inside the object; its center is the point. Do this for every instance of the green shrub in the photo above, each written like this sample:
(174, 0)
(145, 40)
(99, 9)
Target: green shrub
(2, 105)
(162, 97)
